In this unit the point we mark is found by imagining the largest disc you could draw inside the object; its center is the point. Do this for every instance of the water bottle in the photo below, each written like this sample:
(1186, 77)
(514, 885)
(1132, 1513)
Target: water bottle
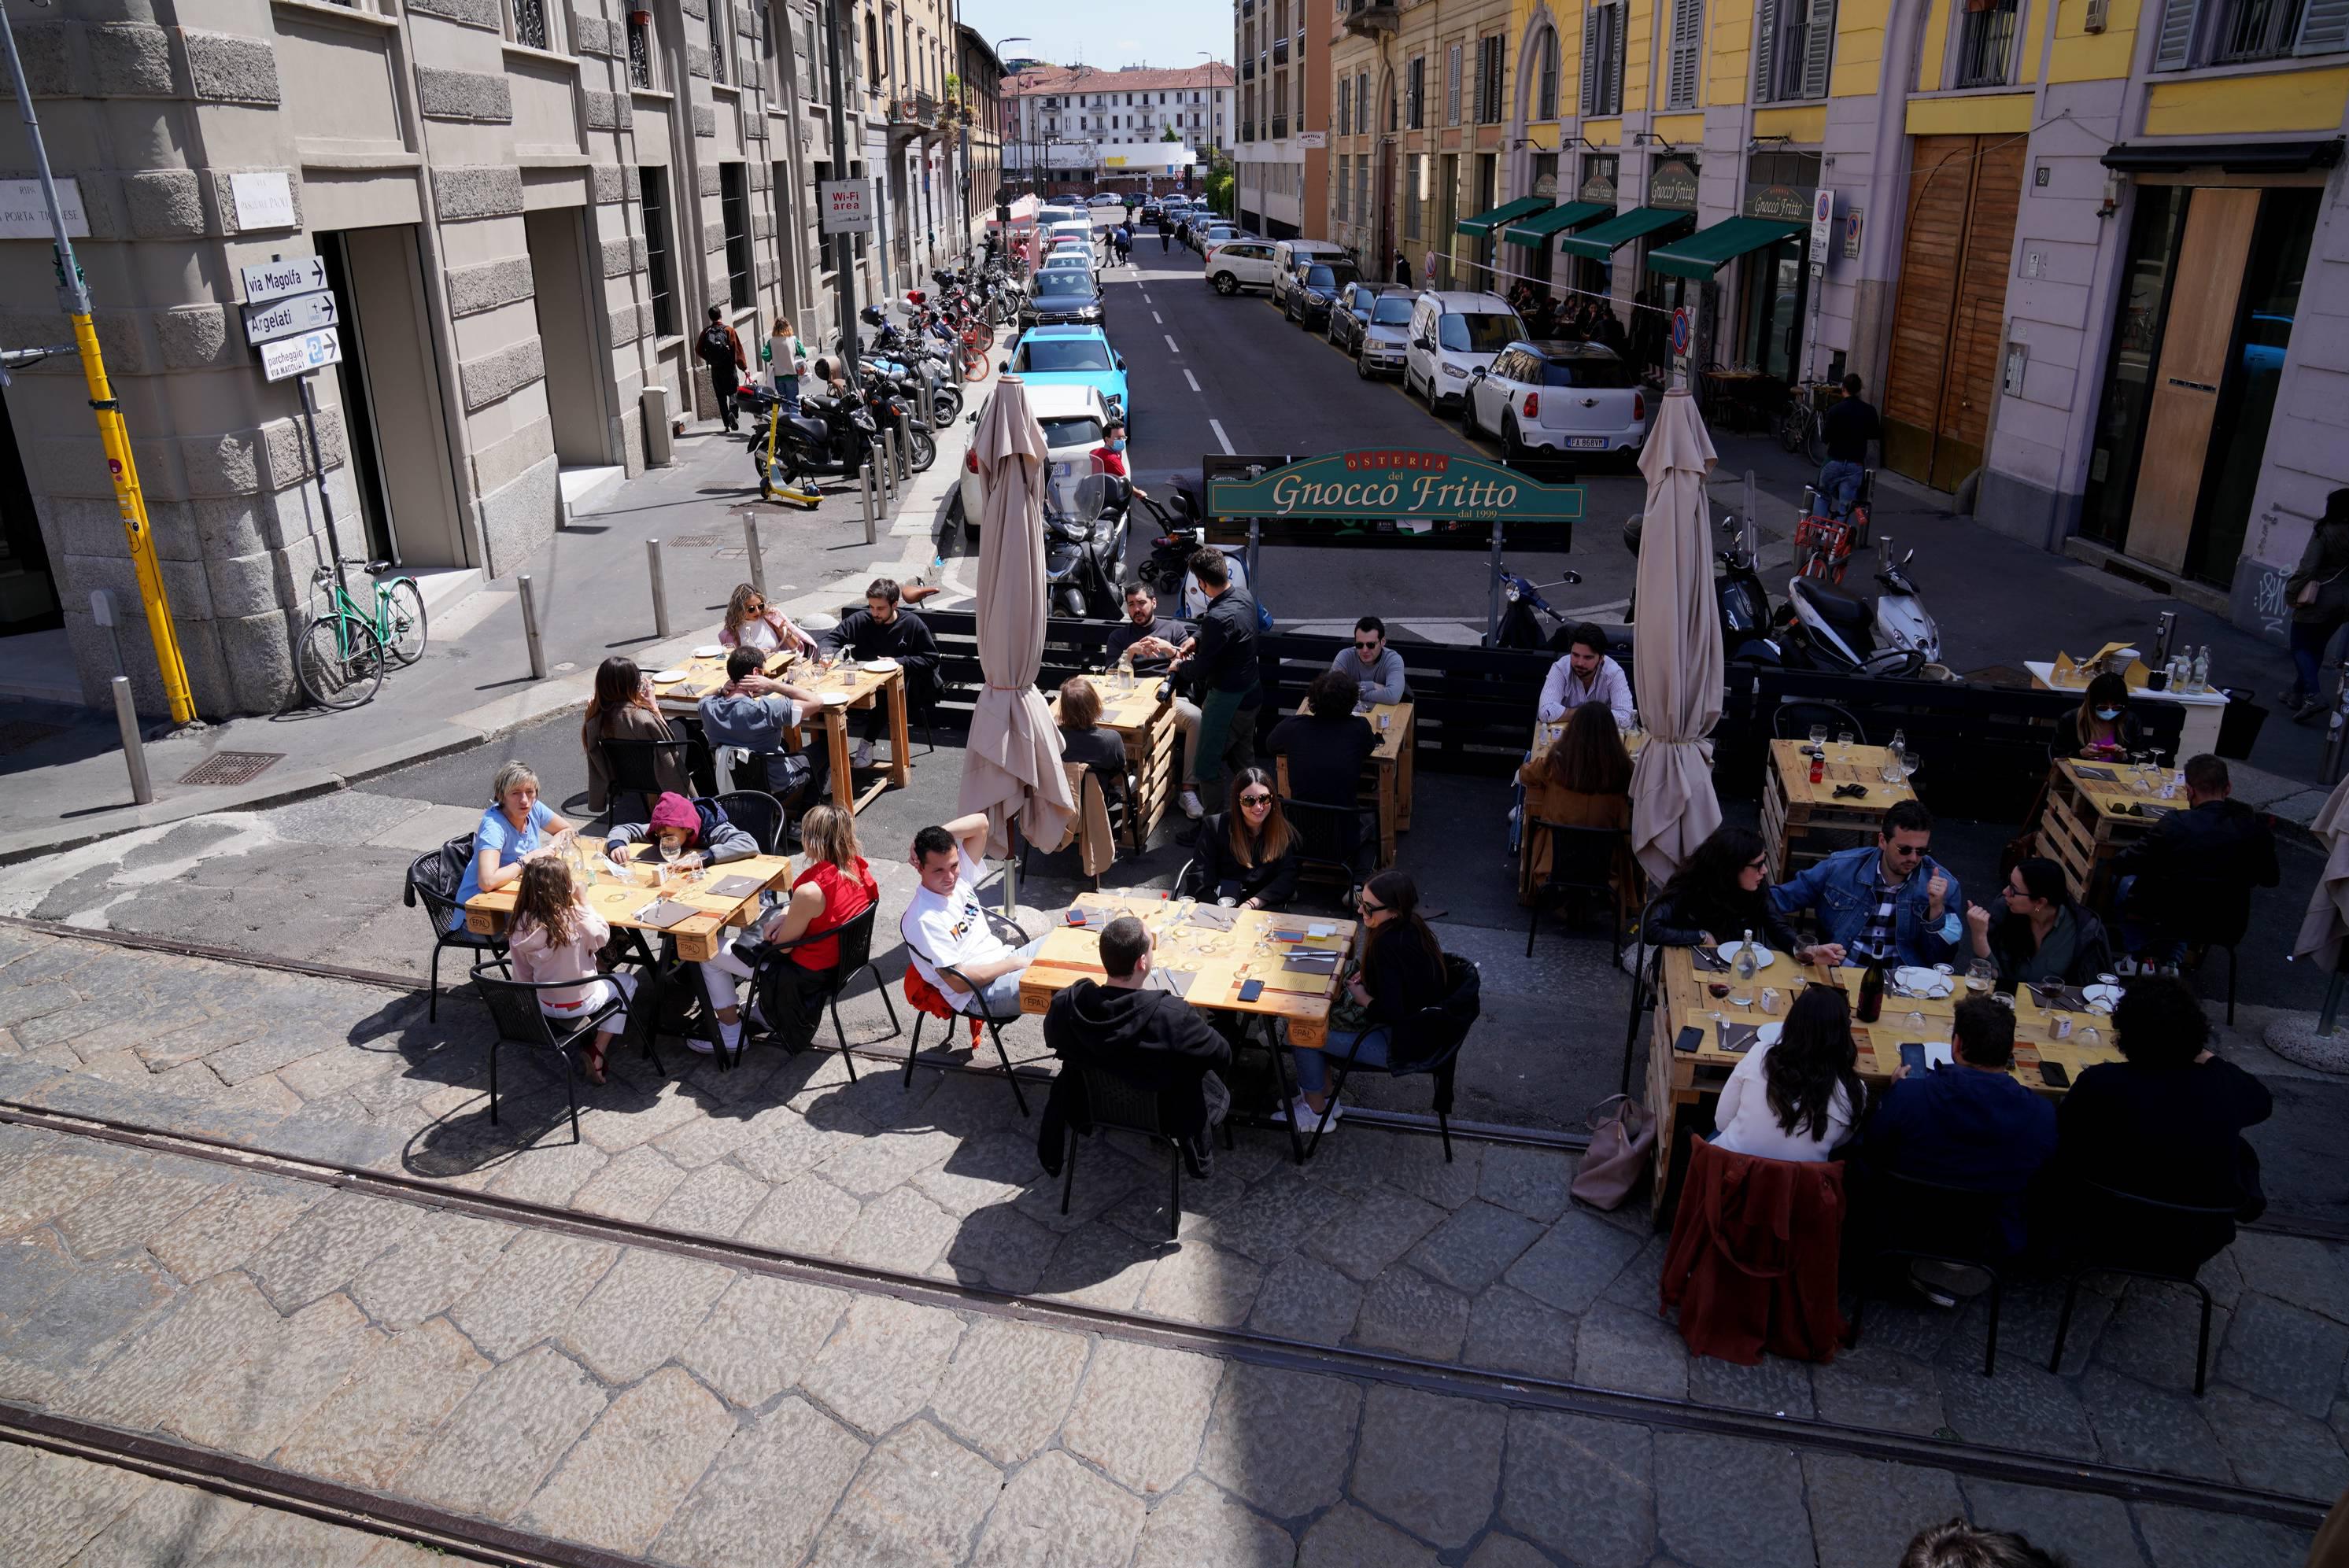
(2201, 680)
(1892, 773)
(1746, 963)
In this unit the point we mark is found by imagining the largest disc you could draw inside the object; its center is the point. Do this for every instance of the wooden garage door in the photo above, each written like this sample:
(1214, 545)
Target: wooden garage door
(1949, 320)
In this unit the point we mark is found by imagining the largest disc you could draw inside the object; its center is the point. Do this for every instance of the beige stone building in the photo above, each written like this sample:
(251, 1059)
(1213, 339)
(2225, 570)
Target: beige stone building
(523, 211)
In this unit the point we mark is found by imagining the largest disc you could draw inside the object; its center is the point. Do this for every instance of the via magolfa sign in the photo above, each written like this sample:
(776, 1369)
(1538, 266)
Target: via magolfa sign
(1391, 485)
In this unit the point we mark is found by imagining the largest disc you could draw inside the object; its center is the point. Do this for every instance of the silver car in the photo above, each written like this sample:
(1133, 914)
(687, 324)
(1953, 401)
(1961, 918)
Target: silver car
(1369, 322)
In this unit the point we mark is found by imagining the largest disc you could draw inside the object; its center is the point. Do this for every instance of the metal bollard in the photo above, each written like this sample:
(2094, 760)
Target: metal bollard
(865, 494)
(529, 628)
(1748, 513)
(660, 592)
(134, 749)
(889, 469)
(751, 549)
(905, 447)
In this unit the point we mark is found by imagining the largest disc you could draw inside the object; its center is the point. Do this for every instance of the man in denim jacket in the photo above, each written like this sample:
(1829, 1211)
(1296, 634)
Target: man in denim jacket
(1893, 901)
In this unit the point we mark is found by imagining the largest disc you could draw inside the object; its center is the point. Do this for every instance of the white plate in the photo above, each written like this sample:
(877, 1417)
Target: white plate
(2107, 995)
(1767, 1034)
(1920, 982)
(710, 651)
(1762, 956)
(878, 667)
(669, 678)
(832, 698)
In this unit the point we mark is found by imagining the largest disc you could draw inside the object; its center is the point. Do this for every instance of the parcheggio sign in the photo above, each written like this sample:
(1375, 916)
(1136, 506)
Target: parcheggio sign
(1392, 485)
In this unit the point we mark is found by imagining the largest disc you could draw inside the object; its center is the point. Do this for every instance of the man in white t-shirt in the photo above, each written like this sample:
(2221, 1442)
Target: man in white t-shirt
(946, 924)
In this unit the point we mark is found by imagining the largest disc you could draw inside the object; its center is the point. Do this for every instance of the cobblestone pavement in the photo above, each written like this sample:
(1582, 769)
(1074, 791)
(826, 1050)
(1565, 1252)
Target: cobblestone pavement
(686, 1412)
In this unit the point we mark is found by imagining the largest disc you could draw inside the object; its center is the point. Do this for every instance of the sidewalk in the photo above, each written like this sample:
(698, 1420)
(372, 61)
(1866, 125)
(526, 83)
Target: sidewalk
(68, 783)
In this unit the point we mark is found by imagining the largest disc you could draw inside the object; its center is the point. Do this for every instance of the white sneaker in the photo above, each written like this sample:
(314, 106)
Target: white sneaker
(700, 1046)
(1191, 805)
(862, 755)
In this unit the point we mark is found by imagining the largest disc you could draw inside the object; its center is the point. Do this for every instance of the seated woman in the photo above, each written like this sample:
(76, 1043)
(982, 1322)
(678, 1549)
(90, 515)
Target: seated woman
(752, 623)
(555, 936)
(1799, 1099)
(1247, 853)
(837, 888)
(2105, 730)
(1718, 896)
(1583, 780)
(698, 828)
(2040, 935)
(519, 827)
(1397, 969)
(1083, 741)
(622, 710)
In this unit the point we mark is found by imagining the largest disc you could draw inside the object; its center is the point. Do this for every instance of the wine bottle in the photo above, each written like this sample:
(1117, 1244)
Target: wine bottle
(1871, 993)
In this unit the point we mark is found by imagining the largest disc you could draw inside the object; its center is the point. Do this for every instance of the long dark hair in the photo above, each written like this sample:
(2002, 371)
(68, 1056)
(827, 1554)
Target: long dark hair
(1814, 1054)
(1277, 834)
(1401, 894)
(2044, 879)
(2112, 691)
(1589, 757)
(1706, 883)
(618, 684)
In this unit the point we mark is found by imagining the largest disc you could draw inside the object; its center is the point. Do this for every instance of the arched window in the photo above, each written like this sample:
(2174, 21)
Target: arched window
(1545, 104)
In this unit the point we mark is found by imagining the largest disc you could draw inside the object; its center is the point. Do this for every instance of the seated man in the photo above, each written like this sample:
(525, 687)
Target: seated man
(883, 631)
(1376, 668)
(1586, 674)
(946, 924)
(1890, 901)
(1155, 643)
(755, 713)
(1153, 1036)
(1972, 1125)
(2197, 867)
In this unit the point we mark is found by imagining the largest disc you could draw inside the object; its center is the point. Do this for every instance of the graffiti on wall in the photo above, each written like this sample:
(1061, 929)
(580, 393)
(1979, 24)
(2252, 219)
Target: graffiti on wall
(2271, 605)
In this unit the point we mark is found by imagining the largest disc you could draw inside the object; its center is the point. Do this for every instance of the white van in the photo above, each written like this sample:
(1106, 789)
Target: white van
(1455, 333)
(1287, 255)
(1237, 264)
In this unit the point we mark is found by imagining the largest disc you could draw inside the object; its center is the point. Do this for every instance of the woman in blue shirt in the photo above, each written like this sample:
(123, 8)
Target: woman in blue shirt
(518, 826)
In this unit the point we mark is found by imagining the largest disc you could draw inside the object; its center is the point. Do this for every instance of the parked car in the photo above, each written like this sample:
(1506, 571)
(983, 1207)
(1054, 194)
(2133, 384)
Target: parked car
(1237, 265)
(1151, 211)
(1314, 289)
(1062, 296)
(1454, 334)
(1073, 355)
(1369, 322)
(1287, 255)
(1073, 417)
(1556, 399)
(1106, 200)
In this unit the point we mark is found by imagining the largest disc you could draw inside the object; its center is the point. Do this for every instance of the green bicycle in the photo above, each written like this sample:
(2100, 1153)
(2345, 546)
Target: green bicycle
(343, 650)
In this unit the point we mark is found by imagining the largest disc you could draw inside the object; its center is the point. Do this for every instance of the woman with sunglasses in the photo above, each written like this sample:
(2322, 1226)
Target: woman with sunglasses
(2039, 934)
(1718, 895)
(1247, 855)
(752, 623)
(1398, 968)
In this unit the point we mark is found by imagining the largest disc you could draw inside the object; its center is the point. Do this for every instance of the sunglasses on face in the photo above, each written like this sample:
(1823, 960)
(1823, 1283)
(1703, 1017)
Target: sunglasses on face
(1368, 907)
(1256, 799)
(1368, 647)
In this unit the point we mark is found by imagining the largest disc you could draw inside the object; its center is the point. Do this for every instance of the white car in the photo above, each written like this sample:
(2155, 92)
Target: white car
(1106, 200)
(1554, 398)
(1287, 255)
(1237, 264)
(1455, 333)
(1073, 419)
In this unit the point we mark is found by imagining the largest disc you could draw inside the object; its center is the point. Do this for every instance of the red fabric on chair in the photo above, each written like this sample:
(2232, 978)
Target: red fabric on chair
(926, 998)
(1754, 1261)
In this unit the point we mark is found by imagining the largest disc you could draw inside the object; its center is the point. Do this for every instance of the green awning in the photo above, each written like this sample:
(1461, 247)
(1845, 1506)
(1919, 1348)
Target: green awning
(1704, 252)
(1535, 231)
(1483, 223)
(1603, 241)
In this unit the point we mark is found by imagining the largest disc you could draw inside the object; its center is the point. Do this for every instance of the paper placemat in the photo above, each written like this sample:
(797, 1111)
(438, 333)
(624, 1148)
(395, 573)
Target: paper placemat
(1322, 963)
(2102, 775)
(665, 913)
(735, 887)
(1736, 1039)
(1709, 962)
(1214, 918)
(1176, 982)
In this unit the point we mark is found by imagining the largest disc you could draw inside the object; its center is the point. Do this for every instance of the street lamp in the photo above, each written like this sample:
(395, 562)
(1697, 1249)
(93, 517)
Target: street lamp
(1022, 141)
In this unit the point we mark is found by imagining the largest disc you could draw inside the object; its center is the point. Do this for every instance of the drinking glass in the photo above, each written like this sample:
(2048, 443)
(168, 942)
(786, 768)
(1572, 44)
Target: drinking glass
(1843, 739)
(1818, 735)
(1909, 763)
(1979, 974)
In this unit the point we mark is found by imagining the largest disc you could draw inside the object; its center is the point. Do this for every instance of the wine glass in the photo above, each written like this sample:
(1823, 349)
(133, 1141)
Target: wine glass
(1818, 735)
(669, 848)
(1843, 739)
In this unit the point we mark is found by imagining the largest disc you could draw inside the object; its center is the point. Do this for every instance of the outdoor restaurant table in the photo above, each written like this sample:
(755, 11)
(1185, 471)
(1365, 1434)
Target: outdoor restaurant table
(1793, 809)
(618, 897)
(863, 687)
(1389, 770)
(705, 674)
(1147, 724)
(2094, 812)
(2204, 709)
(1676, 1078)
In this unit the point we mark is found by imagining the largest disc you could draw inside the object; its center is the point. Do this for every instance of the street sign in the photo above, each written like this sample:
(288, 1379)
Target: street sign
(1680, 332)
(1822, 222)
(847, 206)
(299, 312)
(266, 281)
(292, 356)
(24, 212)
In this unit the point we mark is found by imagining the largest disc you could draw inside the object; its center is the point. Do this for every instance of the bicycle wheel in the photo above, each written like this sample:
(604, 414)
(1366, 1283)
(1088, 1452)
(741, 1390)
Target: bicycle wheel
(340, 661)
(404, 611)
(1814, 441)
(1790, 429)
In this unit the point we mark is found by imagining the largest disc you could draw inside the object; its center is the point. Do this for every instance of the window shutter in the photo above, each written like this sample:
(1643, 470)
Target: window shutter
(1818, 47)
(1765, 46)
(1688, 17)
(2173, 50)
(1590, 21)
(1615, 59)
(2324, 27)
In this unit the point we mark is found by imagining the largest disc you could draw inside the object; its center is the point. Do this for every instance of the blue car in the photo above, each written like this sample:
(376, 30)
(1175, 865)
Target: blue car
(1077, 356)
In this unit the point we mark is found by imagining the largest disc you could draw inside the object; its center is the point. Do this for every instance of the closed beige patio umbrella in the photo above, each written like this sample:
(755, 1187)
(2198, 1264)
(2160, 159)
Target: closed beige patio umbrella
(1676, 661)
(1013, 763)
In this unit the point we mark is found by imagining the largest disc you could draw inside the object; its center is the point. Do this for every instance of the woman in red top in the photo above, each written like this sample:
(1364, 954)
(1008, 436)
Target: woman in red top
(837, 888)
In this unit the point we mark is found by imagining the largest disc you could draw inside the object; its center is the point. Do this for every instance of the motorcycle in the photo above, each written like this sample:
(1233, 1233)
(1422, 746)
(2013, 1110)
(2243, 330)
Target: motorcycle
(1084, 548)
(1168, 569)
(1521, 621)
(1820, 626)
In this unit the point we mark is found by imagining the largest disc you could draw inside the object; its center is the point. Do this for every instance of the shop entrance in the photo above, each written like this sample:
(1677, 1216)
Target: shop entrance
(28, 593)
(1948, 322)
(388, 390)
(568, 335)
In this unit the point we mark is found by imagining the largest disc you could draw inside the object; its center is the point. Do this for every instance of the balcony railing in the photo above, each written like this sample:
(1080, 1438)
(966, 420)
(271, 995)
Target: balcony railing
(1279, 127)
(1279, 52)
(1986, 46)
(530, 23)
(1366, 17)
(1247, 131)
(2256, 30)
(1247, 70)
(914, 112)
(640, 54)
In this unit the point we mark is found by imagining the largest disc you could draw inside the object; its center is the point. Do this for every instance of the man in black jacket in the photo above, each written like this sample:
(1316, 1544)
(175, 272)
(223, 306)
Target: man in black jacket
(883, 631)
(1224, 660)
(1150, 1037)
(2196, 870)
(1326, 746)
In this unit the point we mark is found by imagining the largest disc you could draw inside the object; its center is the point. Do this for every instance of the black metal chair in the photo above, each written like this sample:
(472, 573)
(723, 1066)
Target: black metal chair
(1116, 1103)
(434, 878)
(856, 958)
(976, 1014)
(2208, 913)
(1795, 716)
(1428, 1042)
(757, 813)
(1331, 845)
(1960, 1226)
(1647, 991)
(513, 1008)
(1583, 863)
(634, 766)
(2100, 1245)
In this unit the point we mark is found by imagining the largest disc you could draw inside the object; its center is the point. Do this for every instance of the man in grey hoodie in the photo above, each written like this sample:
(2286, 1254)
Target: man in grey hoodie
(1147, 1035)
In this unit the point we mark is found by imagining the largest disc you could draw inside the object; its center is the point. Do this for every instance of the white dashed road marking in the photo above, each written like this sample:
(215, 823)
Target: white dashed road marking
(1191, 380)
(1170, 343)
(1218, 427)
(1158, 318)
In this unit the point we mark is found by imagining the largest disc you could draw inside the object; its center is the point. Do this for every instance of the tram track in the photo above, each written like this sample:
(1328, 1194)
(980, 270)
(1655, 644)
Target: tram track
(2122, 1483)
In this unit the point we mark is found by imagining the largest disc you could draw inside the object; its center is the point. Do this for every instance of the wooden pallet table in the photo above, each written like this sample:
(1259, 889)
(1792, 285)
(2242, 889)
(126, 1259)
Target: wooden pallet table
(1797, 813)
(1147, 725)
(2095, 810)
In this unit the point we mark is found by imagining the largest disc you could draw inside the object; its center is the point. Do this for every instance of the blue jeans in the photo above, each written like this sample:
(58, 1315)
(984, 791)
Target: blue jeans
(2308, 640)
(1001, 994)
(1839, 486)
(1366, 1047)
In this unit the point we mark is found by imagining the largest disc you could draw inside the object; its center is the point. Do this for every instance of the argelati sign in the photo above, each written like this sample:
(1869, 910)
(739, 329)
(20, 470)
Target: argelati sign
(1387, 484)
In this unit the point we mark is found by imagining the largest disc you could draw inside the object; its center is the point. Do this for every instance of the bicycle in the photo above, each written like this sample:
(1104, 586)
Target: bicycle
(1802, 428)
(343, 652)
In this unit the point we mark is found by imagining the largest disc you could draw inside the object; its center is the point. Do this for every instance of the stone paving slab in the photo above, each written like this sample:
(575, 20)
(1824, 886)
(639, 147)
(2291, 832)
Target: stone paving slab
(1379, 1244)
(1006, 1444)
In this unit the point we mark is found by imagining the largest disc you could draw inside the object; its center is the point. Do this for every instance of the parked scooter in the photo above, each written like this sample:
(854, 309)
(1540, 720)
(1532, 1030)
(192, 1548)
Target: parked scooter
(1168, 569)
(1084, 548)
(1530, 621)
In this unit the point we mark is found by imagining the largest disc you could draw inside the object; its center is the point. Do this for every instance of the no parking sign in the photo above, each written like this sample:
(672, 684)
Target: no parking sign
(1680, 332)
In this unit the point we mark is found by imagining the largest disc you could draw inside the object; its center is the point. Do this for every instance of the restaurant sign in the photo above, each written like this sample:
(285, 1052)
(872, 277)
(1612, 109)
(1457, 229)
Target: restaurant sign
(1389, 485)
(1672, 183)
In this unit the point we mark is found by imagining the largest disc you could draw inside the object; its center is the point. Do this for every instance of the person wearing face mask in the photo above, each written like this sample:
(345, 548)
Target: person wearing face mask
(2104, 729)
(1109, 457)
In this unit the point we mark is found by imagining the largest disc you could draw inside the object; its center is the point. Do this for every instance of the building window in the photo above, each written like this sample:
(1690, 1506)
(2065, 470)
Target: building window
(640, 53)
(1345, 114)
(1345, 172)
(1410, 196)
(872, 52)
(720, 40)
(1546, 101)
(1488, 80)
(2228, 32)
(1985, 45)
(734, 212)
(652, 194)
(1602, 58)
(530, 23)
(1794, 47)
(1452, 84)
(1414, 93)
(1685, 63)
